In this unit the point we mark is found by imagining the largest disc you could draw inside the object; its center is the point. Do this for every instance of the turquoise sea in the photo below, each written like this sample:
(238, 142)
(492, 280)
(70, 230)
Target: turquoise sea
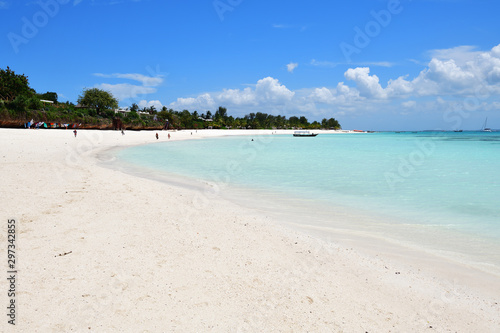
(435, 190)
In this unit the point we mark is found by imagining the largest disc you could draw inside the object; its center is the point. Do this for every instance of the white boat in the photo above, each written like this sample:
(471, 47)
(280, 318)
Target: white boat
(486, 129)
(304, 133)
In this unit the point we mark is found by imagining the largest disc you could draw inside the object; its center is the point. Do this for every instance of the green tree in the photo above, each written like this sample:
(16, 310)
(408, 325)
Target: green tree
(303, 121)
(261, 120)
(294, 121)
(13, 85)
(98, 99)
(48, 96)
(333, 123)
(221, 115)
(186, 119)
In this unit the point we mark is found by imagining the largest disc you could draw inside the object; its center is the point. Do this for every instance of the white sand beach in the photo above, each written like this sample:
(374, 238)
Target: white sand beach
(98, 250)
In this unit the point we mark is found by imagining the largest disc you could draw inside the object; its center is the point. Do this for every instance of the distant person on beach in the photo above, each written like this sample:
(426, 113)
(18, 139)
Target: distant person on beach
(156, 135)
(123, 133)
(169, 135)
(75, 133)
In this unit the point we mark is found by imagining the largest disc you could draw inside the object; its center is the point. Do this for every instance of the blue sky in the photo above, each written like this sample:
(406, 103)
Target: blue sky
(371, 64)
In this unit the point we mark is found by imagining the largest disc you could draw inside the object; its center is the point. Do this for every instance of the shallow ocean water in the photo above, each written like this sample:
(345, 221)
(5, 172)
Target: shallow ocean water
(439, 183)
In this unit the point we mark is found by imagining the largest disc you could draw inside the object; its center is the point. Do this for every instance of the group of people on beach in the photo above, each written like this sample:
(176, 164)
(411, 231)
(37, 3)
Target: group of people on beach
(123, 133)
(157, 136)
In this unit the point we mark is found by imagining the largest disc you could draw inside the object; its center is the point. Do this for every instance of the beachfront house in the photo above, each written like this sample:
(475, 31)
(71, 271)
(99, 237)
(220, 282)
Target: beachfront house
(125, 110)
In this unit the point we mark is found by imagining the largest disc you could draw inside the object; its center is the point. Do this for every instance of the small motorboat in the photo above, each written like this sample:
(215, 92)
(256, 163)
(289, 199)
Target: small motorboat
(304, 133)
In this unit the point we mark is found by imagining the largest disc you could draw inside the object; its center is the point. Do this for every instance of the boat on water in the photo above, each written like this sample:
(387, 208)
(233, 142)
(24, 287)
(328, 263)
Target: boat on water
(458, 131)
(485, 128)
(304, 133)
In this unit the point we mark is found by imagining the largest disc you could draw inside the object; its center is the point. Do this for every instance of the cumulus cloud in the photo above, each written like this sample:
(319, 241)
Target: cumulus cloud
(291, 66)
(270, 90)
(267, 93)
(201, 102)
(460, 54)
(147, 104)
(442, 76)
(367, 84)
(341, 95)
(448, 79)
(238, 97)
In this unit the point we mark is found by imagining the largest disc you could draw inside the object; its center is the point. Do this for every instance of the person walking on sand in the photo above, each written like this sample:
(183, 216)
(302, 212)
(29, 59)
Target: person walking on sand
(156, 135)
(169, 135)
(75, 133)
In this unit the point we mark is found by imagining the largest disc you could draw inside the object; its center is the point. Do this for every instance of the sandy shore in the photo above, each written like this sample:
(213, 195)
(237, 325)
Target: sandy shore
(103, 251)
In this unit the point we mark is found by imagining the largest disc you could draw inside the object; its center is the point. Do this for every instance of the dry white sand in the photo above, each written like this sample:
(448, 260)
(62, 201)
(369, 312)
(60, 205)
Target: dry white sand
(103, 251)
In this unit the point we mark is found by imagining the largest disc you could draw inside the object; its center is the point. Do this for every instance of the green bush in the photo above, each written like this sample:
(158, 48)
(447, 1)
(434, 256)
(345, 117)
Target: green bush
(20, 103)
(109, 114)
(35, 103)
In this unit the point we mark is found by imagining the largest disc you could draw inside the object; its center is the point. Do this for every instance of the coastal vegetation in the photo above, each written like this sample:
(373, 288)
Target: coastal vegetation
(96, 108)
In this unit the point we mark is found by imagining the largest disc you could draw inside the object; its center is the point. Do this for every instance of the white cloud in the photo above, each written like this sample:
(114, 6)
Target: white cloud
(329, 64)
(4, 5)
(203, 101)
(379, 63)
(367, 84)
(147, 81)
(281, 26)
(442, 85)
(268, 93)
(238, 97)
(409, 104)
(270, 90)
(342, 95)
(146, 104)
(124, 90)
(291, 66)
(443, 76)
(460, 54)
(322, 95)
(399, 87)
